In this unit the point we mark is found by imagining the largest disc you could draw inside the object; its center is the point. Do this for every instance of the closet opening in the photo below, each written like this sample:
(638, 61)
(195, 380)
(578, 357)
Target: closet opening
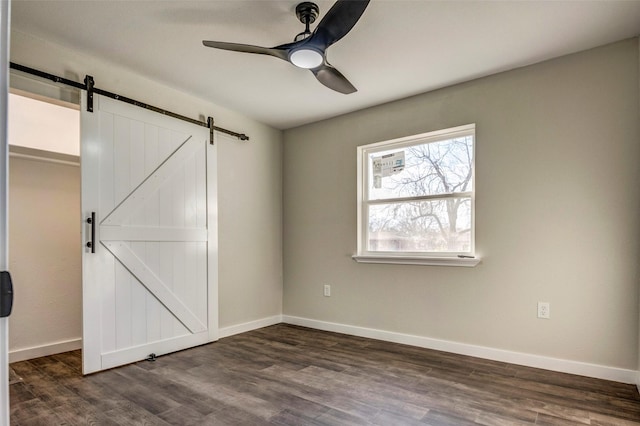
(45, 226)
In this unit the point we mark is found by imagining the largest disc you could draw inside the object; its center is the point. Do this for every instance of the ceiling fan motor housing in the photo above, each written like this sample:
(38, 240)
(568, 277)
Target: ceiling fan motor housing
(307, 12)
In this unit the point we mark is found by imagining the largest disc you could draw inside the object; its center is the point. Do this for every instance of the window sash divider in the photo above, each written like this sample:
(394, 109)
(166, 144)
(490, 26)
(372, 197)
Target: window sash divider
(419, 198)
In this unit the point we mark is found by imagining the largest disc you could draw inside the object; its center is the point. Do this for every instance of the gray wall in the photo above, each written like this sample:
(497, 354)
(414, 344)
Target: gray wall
(557, 214)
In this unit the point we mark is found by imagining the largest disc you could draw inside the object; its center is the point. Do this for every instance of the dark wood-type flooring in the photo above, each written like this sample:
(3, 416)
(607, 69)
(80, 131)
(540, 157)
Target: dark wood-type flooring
(287, 375)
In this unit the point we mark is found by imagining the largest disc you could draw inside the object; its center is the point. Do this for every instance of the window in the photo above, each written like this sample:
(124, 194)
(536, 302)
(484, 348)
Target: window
(416, 199)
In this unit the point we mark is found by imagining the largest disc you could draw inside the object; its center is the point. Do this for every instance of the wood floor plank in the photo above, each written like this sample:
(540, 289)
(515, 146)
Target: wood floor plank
(289, 375)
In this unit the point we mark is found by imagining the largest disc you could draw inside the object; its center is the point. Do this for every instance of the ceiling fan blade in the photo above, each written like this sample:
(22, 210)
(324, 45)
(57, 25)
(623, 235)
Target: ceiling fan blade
(333, 79)
(337, 22)
(278, 52)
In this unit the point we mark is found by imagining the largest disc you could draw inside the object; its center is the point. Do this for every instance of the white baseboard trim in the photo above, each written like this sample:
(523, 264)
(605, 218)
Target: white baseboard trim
(537, 361)
(529, 360)
(44, 350)
(248, 326)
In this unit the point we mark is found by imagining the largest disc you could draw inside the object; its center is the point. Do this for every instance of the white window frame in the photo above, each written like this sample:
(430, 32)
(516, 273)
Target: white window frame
(411, 258)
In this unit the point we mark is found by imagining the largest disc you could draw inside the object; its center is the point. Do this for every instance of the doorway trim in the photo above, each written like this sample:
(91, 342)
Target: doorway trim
(5, 10)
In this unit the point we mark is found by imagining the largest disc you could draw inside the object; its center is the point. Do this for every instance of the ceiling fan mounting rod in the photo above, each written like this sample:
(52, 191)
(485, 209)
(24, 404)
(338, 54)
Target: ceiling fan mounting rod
(307, 12)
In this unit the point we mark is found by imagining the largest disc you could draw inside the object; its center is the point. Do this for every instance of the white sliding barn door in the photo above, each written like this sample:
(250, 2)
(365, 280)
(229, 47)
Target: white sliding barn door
(151, 285)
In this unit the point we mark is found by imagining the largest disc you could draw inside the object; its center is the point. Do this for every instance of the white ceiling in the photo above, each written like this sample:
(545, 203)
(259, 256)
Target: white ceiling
(398, 48)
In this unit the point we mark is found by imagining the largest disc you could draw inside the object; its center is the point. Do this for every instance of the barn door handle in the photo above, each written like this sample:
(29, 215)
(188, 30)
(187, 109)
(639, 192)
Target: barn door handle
(92, 221)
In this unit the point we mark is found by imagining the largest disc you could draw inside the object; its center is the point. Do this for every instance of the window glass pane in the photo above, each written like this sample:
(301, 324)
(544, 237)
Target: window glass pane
(421, 226)
(443, 167)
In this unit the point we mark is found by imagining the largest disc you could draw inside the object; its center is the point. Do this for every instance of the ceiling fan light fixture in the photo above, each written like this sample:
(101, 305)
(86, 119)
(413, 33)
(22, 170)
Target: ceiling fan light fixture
(306, 58)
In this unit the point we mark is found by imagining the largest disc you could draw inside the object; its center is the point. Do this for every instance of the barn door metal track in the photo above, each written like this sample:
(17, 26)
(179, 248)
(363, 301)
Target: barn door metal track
(88, 85)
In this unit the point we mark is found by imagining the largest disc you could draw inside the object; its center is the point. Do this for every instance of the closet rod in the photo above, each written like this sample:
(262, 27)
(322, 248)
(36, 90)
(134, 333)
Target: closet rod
(90, 88)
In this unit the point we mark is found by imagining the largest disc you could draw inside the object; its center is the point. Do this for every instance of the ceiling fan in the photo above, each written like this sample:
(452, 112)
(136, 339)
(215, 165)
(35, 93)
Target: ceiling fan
(308, 50)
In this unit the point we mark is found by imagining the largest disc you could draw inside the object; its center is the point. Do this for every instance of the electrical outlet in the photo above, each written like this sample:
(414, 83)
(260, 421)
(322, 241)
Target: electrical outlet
(327, 290)
(544, 310)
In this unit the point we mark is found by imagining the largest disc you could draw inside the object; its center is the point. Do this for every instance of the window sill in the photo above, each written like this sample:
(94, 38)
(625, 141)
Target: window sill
(408, 260)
